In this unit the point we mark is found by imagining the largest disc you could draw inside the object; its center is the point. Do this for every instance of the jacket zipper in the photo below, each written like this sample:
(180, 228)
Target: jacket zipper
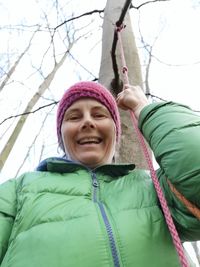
(106, 221)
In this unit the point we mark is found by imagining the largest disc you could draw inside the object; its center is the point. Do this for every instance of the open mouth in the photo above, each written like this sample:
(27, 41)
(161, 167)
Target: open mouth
(89, 140)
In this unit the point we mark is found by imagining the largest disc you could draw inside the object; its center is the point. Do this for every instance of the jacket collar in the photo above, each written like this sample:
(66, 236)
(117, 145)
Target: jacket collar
(62, 165)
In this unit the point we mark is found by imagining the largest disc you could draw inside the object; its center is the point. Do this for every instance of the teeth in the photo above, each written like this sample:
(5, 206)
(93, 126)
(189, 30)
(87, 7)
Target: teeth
(87, 140)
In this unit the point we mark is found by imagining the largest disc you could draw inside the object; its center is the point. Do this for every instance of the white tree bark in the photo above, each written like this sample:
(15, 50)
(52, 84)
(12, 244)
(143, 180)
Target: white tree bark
(129, 150)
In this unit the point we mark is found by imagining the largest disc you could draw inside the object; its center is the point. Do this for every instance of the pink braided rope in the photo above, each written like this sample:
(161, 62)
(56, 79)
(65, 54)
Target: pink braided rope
(163, 202)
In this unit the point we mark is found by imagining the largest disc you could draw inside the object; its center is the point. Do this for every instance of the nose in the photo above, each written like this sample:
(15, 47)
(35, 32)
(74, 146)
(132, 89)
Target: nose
(88, 122)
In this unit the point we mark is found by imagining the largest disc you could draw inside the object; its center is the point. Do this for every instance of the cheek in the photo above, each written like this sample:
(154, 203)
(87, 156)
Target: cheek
(113, 130)
(66, 134)
(111, 144)
(111, 134)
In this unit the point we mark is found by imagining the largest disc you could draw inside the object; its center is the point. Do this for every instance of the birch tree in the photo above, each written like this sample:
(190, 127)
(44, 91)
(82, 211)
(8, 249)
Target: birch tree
(130, 150)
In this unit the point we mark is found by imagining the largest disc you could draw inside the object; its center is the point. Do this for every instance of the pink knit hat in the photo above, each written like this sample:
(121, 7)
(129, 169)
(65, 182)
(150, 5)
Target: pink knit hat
(92, 90)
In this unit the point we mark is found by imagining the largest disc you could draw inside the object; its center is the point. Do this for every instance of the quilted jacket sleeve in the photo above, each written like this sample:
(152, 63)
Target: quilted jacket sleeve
(7, 214)
(173, 133)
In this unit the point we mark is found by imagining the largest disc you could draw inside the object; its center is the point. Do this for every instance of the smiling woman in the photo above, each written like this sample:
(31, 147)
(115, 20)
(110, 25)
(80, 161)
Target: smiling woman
(88, 124)
(88, 211)
(93, 91)
(88, 133)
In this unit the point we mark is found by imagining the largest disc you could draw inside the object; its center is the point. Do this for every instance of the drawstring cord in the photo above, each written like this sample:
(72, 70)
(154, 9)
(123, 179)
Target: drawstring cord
(163, 202)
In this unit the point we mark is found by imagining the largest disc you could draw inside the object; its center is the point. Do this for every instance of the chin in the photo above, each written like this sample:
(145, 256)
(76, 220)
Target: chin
(93, 160)
(92, 164)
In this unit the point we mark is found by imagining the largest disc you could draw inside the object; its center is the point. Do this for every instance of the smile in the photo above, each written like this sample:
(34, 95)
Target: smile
(89, 140)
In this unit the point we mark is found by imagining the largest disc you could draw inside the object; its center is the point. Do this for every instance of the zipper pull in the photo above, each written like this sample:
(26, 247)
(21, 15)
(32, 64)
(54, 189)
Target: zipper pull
(94, 180)
(95, 183)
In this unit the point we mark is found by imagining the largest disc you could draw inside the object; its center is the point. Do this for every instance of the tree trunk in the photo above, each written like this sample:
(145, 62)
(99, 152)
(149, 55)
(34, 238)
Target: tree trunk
(196, 250)
(42, 88)
(129, 150)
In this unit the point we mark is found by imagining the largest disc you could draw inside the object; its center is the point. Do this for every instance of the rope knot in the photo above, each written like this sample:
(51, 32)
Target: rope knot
(125, 69)
(120, 27)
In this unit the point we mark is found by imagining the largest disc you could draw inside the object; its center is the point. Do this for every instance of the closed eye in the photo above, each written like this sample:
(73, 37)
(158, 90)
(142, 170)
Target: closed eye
(72, 117)
(99, 115)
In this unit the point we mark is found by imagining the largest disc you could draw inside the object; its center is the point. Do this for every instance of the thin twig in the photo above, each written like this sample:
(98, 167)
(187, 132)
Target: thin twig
(29, 112)
(146, 3)
(77, 17)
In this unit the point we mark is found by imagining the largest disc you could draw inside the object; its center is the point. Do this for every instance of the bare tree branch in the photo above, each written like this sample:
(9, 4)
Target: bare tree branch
(31, 145)
(95, 78)
(28, 112)
(13, 68)
(77, 17)
(116, 83)
(45, 84)
(149, 49)
(175, 65)
(123, 13)
(146, 3)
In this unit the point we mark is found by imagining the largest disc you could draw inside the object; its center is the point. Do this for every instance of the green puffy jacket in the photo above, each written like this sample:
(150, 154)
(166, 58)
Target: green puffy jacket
(67, 215)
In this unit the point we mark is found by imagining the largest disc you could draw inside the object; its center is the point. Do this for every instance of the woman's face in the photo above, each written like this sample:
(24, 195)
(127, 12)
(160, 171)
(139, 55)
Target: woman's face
(88, 133)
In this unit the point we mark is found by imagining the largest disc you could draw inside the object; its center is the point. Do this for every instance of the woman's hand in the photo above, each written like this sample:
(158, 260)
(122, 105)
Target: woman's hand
(133, 98)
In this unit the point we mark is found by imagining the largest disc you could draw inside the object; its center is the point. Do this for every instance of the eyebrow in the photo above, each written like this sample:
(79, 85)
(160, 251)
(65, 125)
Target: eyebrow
(72, 110)
(78, 109)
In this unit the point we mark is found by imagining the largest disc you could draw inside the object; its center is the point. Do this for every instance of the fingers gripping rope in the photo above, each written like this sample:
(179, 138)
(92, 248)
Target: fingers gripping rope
(163, 202)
